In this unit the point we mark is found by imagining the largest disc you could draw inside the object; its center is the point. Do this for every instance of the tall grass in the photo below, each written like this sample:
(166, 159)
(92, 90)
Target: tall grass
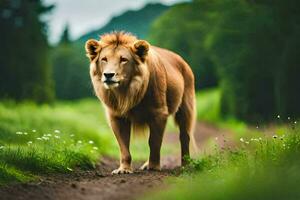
(261, 168)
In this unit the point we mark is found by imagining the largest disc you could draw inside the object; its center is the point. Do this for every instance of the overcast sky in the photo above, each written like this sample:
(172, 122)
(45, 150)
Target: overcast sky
(87, 15)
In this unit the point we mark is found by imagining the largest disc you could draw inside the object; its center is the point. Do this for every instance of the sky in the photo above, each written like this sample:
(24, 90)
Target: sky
(83, 16)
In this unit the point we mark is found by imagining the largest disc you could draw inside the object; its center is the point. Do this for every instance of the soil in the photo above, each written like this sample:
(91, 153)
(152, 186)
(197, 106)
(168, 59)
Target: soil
(100, 184)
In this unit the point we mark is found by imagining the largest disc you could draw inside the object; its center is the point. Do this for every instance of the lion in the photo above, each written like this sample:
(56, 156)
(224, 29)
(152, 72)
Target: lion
(141, 84)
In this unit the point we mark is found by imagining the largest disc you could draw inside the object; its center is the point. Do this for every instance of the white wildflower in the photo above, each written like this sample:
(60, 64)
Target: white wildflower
(19, 133)
(49, 135)
(56, 131)
(45, 138)
(56, 136)
(295, 122)
(91, 142)
(242, 140)
(289, 118)
(25, 133)
(278, 116)
(1, 147)
(246, 142)
(79, 142)
(72, 135)
(95, 148)
(33, 130)
(29, 142)
(275, 136)
(39, 138)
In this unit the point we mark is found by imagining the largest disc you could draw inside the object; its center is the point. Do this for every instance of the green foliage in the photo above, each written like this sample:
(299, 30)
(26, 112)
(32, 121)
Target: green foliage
(266, 168)
(250, 48)
(251, 45)
(25, 69)
(71, 72)
(183, 29)
(37, 140)
(209, 110)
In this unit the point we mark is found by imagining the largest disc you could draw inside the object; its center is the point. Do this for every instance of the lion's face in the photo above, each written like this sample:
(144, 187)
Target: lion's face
(115, 65)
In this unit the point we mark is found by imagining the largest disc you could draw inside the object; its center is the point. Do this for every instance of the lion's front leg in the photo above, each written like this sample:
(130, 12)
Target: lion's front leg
(157, 128)
(121, 129)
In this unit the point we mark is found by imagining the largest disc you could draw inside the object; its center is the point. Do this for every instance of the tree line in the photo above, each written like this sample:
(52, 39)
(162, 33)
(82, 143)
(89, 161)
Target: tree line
(249, 48)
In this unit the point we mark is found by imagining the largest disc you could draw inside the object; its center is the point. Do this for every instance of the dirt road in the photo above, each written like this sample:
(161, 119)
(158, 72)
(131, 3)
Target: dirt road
(100, 184)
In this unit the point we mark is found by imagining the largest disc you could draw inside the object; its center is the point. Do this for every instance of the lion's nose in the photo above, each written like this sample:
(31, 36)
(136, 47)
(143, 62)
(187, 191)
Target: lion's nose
(109, 75)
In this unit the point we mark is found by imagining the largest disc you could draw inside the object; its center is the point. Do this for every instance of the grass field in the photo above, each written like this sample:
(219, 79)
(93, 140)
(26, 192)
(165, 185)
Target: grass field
(41, 139)
(44, 139)
(262, 168)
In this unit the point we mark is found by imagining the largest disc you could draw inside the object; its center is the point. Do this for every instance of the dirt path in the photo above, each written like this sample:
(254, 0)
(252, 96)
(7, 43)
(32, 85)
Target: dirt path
(100, 184)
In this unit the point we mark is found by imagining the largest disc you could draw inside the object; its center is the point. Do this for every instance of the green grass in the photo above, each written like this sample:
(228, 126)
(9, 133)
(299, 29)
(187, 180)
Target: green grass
(37, 140)
(42, 139)
(208, 110)
(266, 168)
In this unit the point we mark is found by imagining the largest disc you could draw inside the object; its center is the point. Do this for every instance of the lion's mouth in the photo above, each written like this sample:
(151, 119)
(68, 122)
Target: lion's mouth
(110, 82)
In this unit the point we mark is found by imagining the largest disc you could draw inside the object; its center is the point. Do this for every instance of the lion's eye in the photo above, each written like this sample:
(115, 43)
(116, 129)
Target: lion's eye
(123, 60)
(104, 59)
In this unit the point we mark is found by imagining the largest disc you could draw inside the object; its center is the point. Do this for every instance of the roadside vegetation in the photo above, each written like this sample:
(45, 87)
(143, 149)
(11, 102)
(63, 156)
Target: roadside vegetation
(42, 139)
(265, 167)
(60, 138)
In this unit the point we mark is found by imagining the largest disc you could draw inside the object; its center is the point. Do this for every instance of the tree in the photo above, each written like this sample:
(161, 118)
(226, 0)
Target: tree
(252, 45)
(24, 63)
(65, 37)
(70, 69)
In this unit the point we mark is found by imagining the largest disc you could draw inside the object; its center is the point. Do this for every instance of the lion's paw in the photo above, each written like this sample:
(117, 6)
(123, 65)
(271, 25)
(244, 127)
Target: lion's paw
(146, 166)
(122, 170)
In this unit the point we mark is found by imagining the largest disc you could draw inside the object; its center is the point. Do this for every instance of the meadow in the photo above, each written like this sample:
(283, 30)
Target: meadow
(259, 168)
(42, 139)
(38, 140)
(262, 164)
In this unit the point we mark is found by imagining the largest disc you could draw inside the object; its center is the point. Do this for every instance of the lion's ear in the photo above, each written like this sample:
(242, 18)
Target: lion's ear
(92, 48)
(141, 48)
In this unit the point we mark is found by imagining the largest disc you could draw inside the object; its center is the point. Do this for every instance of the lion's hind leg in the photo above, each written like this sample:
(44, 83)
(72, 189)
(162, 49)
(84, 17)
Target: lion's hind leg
(185, 119)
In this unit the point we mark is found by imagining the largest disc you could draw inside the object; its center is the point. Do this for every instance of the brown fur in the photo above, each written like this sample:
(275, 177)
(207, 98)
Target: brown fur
(151, 84)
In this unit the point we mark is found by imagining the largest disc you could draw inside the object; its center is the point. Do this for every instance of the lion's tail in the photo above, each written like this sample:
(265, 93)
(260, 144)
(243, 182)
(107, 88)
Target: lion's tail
(194, 147)
(139, 130)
